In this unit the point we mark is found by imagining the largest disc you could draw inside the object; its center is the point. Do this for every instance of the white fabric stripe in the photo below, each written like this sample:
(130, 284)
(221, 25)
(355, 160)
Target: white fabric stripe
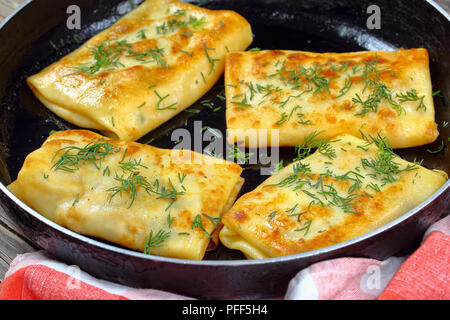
(442, 225)
(302, 287)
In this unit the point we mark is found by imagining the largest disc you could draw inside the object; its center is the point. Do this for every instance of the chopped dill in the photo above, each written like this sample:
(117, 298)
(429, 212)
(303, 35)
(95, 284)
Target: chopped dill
(305, 228)
(412, 96)
(438, 150)
(161, 99)
(93, 152)
(212, 61)
(155, 240)
(197, 223)
(215, 221)
(76, 200)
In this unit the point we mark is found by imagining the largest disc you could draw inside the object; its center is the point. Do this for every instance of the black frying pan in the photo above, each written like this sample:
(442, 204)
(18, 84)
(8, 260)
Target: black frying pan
(37, 36)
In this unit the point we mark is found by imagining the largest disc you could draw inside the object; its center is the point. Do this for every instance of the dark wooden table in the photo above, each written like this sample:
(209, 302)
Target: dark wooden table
(12, 240)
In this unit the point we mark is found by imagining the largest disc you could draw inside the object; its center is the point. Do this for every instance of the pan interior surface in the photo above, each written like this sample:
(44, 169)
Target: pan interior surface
(317, 26)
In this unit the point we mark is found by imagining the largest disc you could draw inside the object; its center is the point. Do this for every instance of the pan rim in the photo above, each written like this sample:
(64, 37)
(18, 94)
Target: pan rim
(439, 8)
(221, 263)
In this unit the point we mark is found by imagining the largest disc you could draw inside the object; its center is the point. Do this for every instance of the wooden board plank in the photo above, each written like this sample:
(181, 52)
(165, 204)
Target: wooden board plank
(8, 6)
(8, 222)
(13, 4)
(4, 10)
(11, 244)
(445, 4)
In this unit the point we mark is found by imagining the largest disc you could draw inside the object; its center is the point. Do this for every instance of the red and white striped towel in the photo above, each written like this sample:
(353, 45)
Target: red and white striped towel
(38, 276)
(423, 275)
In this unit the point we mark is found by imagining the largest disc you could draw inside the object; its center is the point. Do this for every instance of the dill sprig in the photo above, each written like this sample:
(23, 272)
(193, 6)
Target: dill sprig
(181, 177)
(72, 156)
(190, 53)
(285, 117)
(354, 177)
(170, 220)
(242, 157)
(347, 86)
(178, 23)
(333, 198)
(129, 185)
(299, 177)
(283, 103)
(379, 91)
(135, 181)
(438, 150)
(242, 103)
(131, 165)
(161, 99)
(383, 166)
(155, 240)
(215, 221)
(141, 34)
(299, 75)
(197, 223)
(151, 55)
(312, 142)
(271, 215)
(106, 55)
(76, 200)
(212, 61)
(163, 192)
(306, 227)
(411, 95)
(292, 212)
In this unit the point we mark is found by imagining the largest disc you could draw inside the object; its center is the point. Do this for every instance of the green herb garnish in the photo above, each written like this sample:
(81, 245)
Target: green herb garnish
(197, 223)
(312, 142)
(93, 152)
(161, 99)
(76, 200)
(411, 95)
(439, 149)
(215, 221)
(170, 220)
(236, 153)
(306, 227)
(212, 61)
(272, 215)
(156, 240)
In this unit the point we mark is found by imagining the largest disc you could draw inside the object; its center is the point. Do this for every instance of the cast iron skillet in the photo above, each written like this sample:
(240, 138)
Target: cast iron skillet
(37, 35)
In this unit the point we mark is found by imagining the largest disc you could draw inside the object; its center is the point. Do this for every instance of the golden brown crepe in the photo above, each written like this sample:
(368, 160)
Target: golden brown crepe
(299, 93)
(138, 196)
(347, 188)
(149, 66)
